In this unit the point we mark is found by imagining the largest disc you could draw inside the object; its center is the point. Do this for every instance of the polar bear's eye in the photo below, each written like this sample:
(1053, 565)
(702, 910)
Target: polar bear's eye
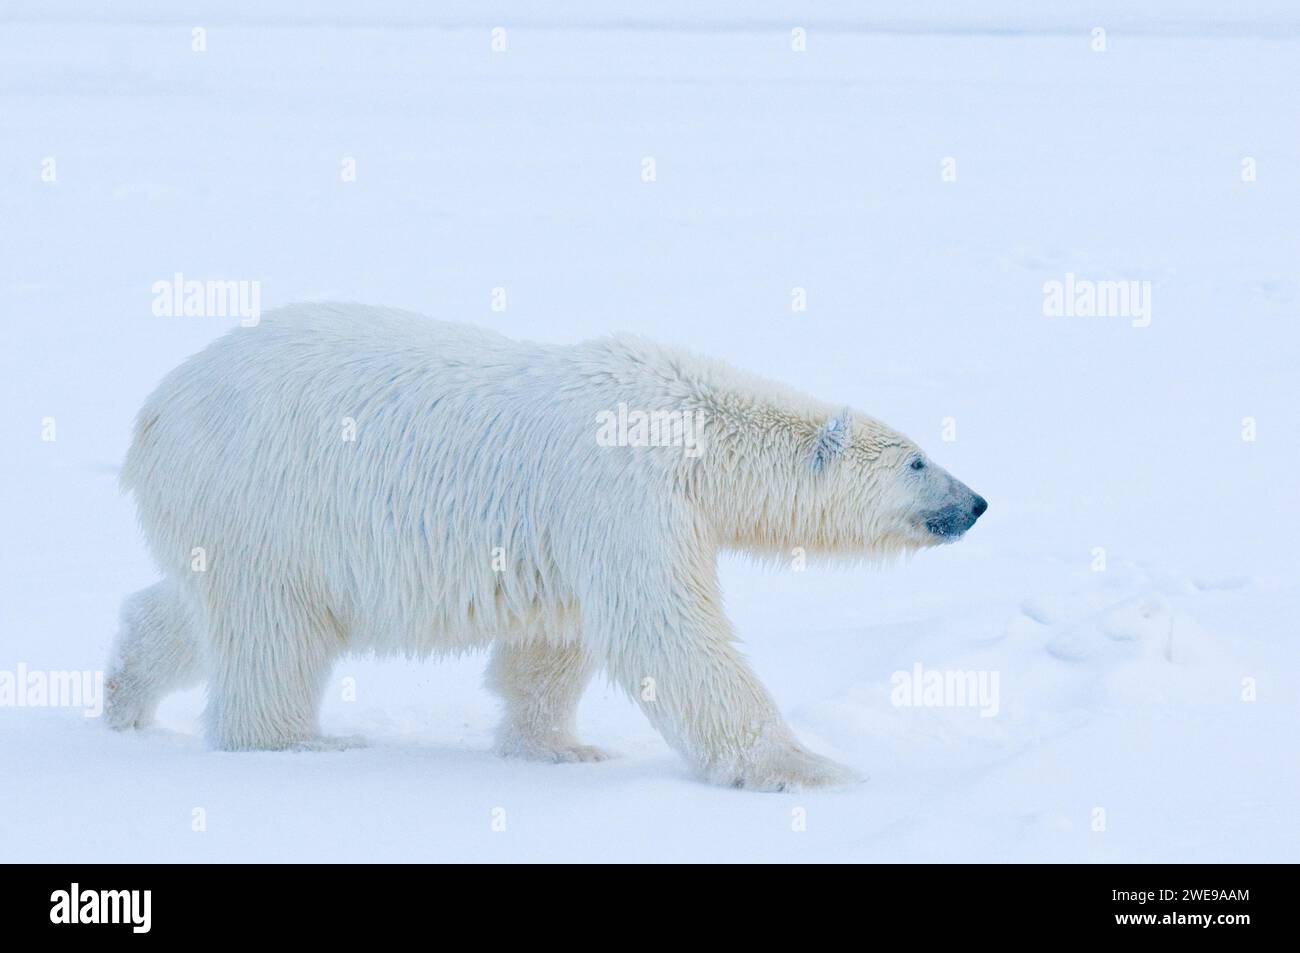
(918, 464)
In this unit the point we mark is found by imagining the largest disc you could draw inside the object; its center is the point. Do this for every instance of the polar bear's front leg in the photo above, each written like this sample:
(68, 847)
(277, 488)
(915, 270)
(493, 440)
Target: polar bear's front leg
(708, 703)
(682, 667)
(541, 685)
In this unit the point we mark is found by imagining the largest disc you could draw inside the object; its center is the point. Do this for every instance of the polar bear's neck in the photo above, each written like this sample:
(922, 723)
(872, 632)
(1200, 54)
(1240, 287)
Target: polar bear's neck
(756, 436)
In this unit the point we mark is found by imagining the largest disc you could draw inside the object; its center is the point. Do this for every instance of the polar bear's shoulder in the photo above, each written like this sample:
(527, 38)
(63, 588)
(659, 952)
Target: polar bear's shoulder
(720, 387)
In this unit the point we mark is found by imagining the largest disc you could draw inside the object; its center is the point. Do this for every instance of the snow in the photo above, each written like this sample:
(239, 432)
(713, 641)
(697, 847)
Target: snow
(1121, 691)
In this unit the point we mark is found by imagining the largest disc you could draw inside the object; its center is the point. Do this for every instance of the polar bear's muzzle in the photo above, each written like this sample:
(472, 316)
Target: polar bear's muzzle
(959, 512)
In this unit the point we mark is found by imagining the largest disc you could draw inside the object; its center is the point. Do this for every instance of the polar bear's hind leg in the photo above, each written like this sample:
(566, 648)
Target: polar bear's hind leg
(158, 651)
(271, 655)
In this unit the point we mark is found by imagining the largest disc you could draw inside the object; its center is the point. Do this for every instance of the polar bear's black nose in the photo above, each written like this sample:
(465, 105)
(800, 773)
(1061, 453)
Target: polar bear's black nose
(980, 506)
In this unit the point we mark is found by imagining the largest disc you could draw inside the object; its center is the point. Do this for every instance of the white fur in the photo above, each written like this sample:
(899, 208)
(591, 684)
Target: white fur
(467, 441)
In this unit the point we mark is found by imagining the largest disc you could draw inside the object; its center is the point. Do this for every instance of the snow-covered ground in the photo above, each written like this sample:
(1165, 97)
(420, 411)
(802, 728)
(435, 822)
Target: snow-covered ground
(1124, 729)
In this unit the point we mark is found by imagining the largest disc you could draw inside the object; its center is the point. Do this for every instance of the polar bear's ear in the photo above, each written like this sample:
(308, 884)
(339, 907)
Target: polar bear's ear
(832, 439)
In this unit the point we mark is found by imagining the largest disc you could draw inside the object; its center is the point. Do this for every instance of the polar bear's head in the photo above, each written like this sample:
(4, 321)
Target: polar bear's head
(839, 484)
(876, 490)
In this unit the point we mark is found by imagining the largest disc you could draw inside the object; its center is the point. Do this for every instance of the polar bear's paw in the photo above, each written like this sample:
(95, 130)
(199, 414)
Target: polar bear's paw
(556, 752)
(125, 708)
(791, 768)
(573, 754)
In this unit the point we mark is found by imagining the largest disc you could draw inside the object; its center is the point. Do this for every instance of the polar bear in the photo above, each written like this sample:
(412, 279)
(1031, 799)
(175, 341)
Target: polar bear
(343, 478)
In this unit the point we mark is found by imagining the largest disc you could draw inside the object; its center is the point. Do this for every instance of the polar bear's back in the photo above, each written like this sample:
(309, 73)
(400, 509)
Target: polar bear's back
(272, 386)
